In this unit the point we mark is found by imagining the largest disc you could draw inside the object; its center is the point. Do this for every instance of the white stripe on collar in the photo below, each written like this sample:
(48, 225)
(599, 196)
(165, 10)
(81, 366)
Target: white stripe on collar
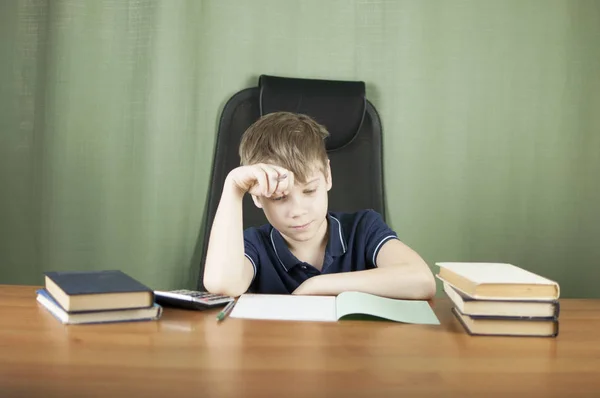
(340, 230)
(277, 254)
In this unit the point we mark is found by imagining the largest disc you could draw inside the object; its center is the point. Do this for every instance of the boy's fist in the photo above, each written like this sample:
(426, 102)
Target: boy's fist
(262, 179)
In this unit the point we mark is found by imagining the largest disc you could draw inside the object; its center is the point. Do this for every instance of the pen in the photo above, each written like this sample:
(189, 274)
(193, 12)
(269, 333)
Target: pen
(225, 311)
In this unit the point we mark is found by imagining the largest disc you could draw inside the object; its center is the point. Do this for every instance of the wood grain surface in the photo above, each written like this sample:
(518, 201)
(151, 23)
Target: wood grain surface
(189, 353)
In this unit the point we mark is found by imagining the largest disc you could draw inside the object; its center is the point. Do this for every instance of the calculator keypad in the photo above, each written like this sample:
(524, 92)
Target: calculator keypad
(196, 296)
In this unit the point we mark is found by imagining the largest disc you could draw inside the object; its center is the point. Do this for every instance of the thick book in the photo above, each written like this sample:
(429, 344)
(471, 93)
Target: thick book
(506, 308)
(498, 281)
(128, 315)
(97, 290)
(503, 326)
(347, 305)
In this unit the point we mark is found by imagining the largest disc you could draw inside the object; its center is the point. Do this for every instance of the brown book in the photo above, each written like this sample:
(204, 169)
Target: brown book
(503, 326)
(501, 308)
(78, 291)
(497, 281)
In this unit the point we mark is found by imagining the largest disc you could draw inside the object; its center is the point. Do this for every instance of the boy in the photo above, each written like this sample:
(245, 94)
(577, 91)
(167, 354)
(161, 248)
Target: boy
(304, 249)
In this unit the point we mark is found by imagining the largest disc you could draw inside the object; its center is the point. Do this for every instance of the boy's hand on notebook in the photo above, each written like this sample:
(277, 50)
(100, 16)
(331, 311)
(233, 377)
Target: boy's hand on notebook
(262, 179)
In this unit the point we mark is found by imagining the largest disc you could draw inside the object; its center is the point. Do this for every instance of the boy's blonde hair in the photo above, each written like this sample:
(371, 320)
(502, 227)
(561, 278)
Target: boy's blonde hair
(290, 140)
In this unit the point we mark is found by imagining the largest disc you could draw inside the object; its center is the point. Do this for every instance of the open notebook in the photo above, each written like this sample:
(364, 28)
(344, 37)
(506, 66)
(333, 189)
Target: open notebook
(347, 305)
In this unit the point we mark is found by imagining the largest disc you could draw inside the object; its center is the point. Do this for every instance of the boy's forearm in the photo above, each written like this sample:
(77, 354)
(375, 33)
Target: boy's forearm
(399, 281)
(225, 253)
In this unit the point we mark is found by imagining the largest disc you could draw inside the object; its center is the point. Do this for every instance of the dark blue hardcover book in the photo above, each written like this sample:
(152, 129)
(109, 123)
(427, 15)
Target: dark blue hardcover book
(97, 290)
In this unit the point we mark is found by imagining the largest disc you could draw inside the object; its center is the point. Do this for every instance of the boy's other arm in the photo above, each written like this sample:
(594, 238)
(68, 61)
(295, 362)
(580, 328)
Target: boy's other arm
(401, 273)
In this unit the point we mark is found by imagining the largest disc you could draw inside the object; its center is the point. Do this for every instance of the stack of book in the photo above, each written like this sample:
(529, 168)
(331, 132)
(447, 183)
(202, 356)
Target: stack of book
(97, 297)
(501, 299)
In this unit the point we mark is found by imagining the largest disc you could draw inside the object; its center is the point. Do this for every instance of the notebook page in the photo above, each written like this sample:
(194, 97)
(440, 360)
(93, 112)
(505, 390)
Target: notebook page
(406, 311)
(284, 307)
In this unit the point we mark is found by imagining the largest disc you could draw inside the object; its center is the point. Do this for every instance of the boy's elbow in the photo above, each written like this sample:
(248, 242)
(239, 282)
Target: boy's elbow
(220, 286)
(211, 285)
(427, 287)
(422, 285)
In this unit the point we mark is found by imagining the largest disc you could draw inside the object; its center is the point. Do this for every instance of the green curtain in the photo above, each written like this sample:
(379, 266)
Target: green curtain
(109, 108)
(106, 138)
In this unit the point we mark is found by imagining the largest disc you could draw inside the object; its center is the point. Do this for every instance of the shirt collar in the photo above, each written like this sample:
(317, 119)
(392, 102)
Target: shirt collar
(336, 246)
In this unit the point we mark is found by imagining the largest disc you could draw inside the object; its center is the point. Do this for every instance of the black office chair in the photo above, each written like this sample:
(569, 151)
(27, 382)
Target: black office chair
(354, 146)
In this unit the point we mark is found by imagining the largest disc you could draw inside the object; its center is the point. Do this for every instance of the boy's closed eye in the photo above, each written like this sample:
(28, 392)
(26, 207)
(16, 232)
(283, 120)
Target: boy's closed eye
(306, 192)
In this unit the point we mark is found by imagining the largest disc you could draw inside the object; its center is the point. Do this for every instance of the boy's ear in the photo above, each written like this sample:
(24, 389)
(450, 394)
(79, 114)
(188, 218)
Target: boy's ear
(328, 179)
(256, 201)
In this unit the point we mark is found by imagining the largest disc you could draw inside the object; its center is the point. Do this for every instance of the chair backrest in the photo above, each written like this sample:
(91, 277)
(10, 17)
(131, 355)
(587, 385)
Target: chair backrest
(354, 146)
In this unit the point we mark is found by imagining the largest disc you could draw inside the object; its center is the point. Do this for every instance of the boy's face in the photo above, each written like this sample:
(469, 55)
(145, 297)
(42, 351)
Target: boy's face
(299, 216)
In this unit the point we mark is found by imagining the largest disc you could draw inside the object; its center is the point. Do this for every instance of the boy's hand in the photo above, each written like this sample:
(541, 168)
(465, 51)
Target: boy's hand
(262, 179)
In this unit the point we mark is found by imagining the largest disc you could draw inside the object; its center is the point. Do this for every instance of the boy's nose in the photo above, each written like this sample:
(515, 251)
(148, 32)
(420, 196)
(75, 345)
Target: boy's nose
(296, 209)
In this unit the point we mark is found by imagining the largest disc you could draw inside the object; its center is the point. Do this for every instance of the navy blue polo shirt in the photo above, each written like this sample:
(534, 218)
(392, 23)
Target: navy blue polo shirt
(354, 241)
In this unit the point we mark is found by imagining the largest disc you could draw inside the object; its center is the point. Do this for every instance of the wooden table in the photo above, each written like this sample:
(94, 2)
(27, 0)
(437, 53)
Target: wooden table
(187, 352)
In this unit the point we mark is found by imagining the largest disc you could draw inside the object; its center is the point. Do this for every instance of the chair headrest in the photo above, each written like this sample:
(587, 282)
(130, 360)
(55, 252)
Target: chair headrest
(338, 105)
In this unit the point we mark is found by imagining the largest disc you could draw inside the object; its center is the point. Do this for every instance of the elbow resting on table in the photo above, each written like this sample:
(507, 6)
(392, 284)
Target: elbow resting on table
(426, 286)
(219, 285)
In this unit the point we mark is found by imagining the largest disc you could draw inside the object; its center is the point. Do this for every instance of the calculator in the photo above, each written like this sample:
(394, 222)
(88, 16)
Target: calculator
(190, 299)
